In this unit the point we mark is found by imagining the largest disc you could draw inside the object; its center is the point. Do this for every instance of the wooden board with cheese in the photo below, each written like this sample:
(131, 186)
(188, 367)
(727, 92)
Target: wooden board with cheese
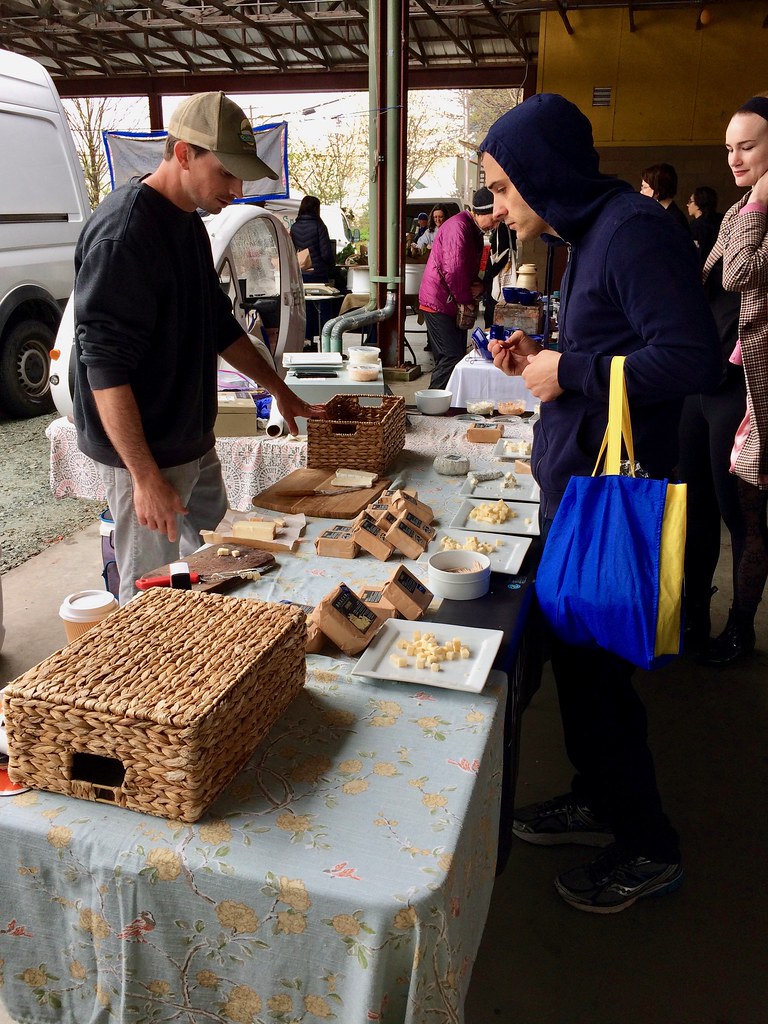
(208, 561)
(297, 492)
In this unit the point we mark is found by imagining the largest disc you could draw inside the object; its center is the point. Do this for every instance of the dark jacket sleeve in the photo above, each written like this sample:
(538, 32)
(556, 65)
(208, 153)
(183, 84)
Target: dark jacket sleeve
(658, 288)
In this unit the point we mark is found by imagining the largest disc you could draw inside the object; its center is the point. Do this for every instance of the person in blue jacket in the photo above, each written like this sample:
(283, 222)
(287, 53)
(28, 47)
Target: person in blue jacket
(632, 287)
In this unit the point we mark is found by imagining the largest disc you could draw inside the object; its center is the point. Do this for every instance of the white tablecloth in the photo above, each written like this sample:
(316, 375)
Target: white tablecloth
(251, 464)
(475, 379)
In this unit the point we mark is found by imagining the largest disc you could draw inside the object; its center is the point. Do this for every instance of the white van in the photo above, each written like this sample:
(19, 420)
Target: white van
(259, 272)
(43, 206)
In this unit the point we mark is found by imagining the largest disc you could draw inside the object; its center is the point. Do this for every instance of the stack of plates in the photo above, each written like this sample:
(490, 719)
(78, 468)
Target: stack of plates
(303, 359)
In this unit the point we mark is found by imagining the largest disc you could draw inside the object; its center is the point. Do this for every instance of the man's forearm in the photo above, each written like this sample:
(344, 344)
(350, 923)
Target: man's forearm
(243, 355)
(121, 420)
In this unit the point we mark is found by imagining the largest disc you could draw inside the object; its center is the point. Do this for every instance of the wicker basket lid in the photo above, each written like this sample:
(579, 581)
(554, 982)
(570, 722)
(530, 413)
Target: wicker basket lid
(169, 656)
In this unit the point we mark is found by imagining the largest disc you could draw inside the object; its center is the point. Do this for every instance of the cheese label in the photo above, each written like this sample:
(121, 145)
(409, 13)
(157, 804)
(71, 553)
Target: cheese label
(353, 609)
(409, 582)
(418, 524)
(370, 527)
(338, 533)
(372, 596)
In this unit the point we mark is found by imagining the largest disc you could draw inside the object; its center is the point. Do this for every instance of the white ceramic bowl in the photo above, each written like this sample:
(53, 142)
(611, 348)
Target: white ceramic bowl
(433, 401)
(363, 354)
(459, 575)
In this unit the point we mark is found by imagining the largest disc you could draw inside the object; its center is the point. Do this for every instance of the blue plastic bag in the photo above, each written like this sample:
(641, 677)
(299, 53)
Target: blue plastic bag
(611, 574)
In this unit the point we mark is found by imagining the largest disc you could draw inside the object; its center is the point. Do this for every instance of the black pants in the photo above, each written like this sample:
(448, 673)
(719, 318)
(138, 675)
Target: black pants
(606, 738)
(449, 346)
(707, 428)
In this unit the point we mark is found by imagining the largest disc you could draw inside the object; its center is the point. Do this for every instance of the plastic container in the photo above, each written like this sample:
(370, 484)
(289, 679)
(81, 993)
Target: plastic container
(459, 575)
(433, 401)
(364, 371)
(83, 610)
(364, 354)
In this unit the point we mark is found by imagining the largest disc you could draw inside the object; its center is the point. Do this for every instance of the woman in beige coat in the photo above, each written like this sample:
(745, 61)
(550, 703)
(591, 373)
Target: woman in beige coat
(743, 244)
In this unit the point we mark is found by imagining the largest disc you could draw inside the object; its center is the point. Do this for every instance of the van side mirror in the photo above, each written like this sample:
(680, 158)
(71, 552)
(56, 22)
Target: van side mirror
(356, 234)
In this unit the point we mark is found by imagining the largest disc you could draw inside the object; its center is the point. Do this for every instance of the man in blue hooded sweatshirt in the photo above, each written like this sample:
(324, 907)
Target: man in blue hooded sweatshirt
(632, 287)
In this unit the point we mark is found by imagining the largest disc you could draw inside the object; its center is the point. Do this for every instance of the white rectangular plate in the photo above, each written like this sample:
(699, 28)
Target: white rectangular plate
(507, 558)
(526, 489)
(468, 674)
(312, 359)
(518, 451)
(517, 524)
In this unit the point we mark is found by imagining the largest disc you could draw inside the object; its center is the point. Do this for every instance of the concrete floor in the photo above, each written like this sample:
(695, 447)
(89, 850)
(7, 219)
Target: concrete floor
(695, 957)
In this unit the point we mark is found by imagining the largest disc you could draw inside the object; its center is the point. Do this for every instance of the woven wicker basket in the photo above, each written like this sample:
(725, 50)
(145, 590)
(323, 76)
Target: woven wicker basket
(366, 436)
(160, 705)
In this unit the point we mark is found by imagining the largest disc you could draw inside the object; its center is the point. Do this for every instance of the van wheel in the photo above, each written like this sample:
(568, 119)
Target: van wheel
(24, 365)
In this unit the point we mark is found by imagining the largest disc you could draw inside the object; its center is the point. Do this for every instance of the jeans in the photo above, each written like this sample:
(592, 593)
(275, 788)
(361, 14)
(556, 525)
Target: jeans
(138, 550)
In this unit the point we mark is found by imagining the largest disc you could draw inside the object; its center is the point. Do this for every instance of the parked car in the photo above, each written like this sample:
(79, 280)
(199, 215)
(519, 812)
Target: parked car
(258, 271)
(43, 207)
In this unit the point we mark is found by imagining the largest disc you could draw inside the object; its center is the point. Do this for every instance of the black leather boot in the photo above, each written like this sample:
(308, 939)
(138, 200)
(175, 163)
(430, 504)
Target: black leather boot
(737, 638)
(698, 625)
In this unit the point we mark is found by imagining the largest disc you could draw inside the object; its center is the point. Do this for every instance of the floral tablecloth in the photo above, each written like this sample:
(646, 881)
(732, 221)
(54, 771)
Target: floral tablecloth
(251, 464)
(345, 875)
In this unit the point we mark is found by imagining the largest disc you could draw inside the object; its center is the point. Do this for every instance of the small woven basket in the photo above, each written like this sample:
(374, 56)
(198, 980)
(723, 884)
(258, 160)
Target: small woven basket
(160, 705)
(368, 435)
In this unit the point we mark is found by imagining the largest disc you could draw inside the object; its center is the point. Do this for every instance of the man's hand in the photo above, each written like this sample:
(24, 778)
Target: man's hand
(157, 504)
(511, 355)
(540, 375)
(291, 406)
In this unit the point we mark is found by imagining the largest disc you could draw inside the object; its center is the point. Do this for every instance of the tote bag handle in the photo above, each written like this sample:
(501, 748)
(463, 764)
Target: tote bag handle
(619, 427)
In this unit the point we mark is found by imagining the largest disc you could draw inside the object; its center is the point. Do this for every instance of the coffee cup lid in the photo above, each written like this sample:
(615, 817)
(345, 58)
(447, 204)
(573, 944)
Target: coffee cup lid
(86, 605)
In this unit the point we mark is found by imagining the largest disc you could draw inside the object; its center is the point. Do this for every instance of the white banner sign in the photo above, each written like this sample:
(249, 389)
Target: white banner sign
(134, 154)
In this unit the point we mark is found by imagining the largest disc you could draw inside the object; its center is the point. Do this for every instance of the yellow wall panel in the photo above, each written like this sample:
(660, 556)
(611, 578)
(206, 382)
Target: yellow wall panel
(672, 84)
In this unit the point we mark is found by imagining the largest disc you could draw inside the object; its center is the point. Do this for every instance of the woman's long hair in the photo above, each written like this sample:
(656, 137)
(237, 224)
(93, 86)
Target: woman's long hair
(309, 207)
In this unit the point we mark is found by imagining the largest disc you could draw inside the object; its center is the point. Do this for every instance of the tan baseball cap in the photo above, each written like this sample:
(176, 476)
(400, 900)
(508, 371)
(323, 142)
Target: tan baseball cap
(214, 122)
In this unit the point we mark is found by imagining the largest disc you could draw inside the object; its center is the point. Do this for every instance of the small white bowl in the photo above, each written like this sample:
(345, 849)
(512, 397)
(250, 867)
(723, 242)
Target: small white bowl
(433, 401)
(363, 354)
(459, 575)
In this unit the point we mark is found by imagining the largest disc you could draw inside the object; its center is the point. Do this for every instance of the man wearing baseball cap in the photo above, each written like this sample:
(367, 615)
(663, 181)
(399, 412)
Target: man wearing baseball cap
(150, 322)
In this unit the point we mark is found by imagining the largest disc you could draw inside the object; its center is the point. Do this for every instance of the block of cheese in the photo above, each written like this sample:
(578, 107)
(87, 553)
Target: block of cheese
(426, 531)
(376, 509)
(407, 593)
(371, 538)
(254, 529)
(353, 478)
(485, 433)
(405, 538)
(521, 466)
(402, 500)
(338, 541)
(346, 619)
(375, 599)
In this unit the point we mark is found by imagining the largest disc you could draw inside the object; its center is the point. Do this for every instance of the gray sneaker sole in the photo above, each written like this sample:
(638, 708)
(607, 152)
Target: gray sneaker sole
(565, 838)
(659, 888)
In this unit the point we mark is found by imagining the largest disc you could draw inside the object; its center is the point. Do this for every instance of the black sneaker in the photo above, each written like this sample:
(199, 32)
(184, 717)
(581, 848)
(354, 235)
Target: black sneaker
(614, 880)
(559, 821)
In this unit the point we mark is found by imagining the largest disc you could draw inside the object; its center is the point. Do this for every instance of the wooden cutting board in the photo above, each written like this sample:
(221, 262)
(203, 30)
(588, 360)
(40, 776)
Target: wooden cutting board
(283, 496)
(208, 561)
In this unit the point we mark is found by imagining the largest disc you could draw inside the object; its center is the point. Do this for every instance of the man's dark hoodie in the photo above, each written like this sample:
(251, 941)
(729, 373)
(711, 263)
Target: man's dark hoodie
(632, 287)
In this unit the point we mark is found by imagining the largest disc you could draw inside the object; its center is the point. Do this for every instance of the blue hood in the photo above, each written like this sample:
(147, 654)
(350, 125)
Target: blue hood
(545, 147)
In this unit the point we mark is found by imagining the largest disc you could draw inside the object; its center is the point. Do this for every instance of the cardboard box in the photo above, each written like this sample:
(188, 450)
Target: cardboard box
(485, 433)
(407, 593)
(405, 500)
(347, 620)
(337, 541)
(371, 538)
(237, 415)
(407, 540)
(375, 600)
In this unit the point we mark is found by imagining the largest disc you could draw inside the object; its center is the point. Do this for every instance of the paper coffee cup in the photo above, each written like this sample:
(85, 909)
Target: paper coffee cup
(82, 611)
